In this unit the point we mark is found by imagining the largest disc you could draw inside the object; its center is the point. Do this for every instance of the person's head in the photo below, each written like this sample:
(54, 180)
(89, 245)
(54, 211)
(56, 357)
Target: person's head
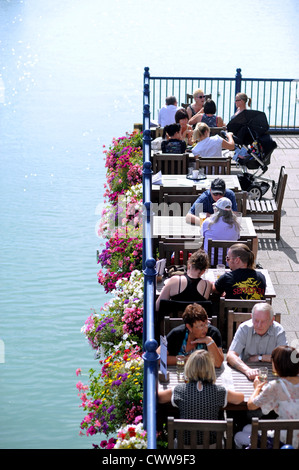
(285, 361)
(223, 210)
(242, 99)
(172, 130)
(196, 320)
(201, 131)
(217, 189)
(262, 317)
(209, 107)
(171, 100)
(200, 366)
(181, 117)
(240, 256)
(198, 261)
(199, 96)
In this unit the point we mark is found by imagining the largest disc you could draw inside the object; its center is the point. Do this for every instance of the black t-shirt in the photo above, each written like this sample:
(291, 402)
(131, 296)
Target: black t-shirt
(176, 337)
(173, 146)
(246, 284)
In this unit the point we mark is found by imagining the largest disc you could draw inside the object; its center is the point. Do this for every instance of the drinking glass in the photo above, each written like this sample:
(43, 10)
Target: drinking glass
(263, 374)
(180, 366)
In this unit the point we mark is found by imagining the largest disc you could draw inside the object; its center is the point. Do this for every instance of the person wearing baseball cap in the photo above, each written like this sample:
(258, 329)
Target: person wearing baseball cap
(222, 225)
(204, 203)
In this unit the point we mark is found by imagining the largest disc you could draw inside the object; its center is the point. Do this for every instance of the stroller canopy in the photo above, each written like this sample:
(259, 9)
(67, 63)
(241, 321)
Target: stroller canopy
(248, 126)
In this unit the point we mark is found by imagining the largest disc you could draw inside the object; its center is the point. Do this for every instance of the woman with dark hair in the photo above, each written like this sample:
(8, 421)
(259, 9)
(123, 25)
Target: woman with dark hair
(190, 286)
(282, 394)
(208, 116)
(181, 117)
(195, 333)
(174, 144)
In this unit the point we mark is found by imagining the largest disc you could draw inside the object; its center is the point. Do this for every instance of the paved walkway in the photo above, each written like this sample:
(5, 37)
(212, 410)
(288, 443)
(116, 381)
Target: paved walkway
(282, 258)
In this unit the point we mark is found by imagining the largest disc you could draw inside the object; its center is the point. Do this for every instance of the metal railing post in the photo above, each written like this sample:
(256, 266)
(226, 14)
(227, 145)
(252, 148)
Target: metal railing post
(238, 80)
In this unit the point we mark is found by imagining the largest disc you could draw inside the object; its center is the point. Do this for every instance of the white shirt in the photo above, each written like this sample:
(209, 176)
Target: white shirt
(209, 147)
(166, 115)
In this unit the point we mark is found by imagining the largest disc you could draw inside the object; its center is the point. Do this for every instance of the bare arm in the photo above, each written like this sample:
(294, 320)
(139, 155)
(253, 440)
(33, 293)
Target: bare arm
(213, 349)
(235, 397)
(235, 361)
(230, 143)
(257, 390)
(164, 396)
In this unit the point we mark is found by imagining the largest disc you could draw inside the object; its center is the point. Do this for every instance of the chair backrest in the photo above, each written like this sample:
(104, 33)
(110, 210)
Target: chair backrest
(241, 198)
(170, 323)
(216, 130)
(179, 204)
(184, 433)
(170, 163)
(214, 165)
(234, 320)
(176, 308)
(175, 253)
(281, 186)
(217, 250)
(178, 191)
(261, 426)
(237, 305)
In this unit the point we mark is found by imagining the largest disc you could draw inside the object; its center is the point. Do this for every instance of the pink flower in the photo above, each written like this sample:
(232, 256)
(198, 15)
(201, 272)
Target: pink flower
(78, 371)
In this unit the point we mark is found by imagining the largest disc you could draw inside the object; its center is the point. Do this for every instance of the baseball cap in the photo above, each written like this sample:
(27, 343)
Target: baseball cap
(224, 204)
(218, 186)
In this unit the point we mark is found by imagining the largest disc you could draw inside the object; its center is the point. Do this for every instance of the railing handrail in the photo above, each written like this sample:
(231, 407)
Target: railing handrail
(150, 345)
(277, 97)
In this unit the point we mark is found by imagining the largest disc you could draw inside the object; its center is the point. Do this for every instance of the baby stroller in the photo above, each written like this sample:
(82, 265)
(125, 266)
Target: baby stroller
(254, 147)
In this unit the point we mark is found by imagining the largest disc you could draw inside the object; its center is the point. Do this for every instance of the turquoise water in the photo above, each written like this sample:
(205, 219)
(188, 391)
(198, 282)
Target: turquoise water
(71, 79)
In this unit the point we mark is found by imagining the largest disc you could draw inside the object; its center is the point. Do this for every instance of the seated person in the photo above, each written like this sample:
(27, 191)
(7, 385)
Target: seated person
(222, 225)
(174, 144)
(190, 286)
(208, 116)
(208, 198)
(243, 281)
(195, 333)
(200, 397)
(255, 340)
(181, 118)
(197, 106)
(210, 146)
(166, 114)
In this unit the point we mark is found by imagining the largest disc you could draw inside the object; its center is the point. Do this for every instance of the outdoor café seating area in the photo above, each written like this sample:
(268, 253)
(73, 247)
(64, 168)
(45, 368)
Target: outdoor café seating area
(174, 240)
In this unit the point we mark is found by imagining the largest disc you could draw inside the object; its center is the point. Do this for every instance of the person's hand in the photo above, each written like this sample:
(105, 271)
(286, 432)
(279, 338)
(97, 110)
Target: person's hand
(251, 374)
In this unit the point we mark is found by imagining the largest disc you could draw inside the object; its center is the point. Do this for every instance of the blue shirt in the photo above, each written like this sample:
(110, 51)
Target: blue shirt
(207, 201)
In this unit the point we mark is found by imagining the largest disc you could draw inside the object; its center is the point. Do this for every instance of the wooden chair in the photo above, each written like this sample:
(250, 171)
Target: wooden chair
(178, 250)
(179, 204)
(216, 130)
(214, 165)
(170, 323)
(234, 320)
(184, 430)
(241, 200)
(217, 250)
(225, 305)
(261, 426)
(170, 163)
(176, 308)
(268, 211)
(179, 190)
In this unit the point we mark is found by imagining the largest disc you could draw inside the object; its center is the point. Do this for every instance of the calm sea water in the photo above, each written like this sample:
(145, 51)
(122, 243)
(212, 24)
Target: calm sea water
(71, 79)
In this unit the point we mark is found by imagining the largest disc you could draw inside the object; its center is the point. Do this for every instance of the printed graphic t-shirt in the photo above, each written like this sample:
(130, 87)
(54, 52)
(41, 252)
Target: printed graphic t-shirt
(246, 284)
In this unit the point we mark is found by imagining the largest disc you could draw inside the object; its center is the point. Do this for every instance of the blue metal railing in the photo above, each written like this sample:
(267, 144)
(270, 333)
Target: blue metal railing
(150, 345)
(277, 98)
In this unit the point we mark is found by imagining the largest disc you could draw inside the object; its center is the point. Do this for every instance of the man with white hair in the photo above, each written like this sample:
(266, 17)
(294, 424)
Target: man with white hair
(255, 340)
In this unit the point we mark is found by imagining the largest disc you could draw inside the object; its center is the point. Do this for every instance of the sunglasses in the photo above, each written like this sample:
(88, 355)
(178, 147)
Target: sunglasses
(201, 97)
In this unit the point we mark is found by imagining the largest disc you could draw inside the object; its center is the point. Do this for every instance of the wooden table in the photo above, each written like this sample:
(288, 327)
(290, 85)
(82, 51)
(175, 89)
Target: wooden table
(177, 227)
(174, 181)
(229, 378)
